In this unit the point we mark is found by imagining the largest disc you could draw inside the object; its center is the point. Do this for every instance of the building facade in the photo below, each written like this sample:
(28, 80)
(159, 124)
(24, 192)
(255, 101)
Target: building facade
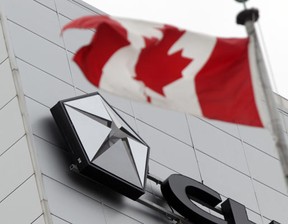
(37, 184)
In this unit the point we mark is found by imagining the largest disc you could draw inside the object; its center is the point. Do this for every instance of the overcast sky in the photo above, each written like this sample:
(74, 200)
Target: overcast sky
(217, 17)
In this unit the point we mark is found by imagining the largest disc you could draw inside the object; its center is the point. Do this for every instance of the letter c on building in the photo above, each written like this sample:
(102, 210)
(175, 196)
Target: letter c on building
(179, 190)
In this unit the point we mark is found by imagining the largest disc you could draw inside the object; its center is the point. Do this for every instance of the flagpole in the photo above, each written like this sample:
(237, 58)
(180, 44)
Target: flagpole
(248, 17)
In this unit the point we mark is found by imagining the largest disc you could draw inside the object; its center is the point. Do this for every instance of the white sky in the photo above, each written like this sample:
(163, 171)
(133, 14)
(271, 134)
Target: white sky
(217, 17)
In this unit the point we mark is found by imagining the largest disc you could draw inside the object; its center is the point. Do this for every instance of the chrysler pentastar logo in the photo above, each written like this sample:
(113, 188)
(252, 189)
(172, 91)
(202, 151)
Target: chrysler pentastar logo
(104, 146)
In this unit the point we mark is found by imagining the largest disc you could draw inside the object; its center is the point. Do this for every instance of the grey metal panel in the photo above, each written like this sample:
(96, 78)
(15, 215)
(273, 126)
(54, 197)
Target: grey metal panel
(230, 128)
(170, 122)
(54, 161)
(39, 220)
(72, 9)
(169, 151)
(259, 138)
(218, 144)
(44, 88)
(57, 220)
(42, 122)
(71, 205)
(49, 3)
(7, 88)
(16, 167)
(40, 53)
(113, 216)
(254, 217)
(273, 204)
(227, 181)
(11, 125)
(79, 92)
(23, 205)
(267, 169)
(36, 18)
(161, 171)
(75, 38)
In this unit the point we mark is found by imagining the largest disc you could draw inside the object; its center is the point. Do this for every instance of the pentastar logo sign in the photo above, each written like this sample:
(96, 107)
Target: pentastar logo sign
(105, 148)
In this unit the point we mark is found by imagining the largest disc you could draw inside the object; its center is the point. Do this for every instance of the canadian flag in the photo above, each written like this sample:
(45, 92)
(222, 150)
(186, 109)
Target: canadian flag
(176, 69)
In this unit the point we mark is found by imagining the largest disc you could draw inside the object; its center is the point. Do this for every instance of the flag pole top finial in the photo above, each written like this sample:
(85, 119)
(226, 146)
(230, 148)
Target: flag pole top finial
(247, 15)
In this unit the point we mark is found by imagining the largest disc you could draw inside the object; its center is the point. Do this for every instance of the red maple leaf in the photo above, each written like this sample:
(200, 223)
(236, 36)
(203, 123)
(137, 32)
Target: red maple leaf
(155, 68)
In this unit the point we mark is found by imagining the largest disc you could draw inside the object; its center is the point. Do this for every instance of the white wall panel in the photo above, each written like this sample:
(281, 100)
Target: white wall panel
(137, 211)
(79, 92)
(45, 88)
(39, 220)
(259, 138)
(49, 154)
(11, 125)
(112, 216)
(40, 52)
(16, 163)
(168, 121)
(230, 128)
(39, 19)
(48, 3)
(72, 9)
(22, 206)
(71, 205)
(169, 151)
(42, 122)
(267, 169)
(227, 181)
(218, 144)
(159, 170)
(266, 221)
(7, 88)
(254, 217)
(273, 204)
(57, 220)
